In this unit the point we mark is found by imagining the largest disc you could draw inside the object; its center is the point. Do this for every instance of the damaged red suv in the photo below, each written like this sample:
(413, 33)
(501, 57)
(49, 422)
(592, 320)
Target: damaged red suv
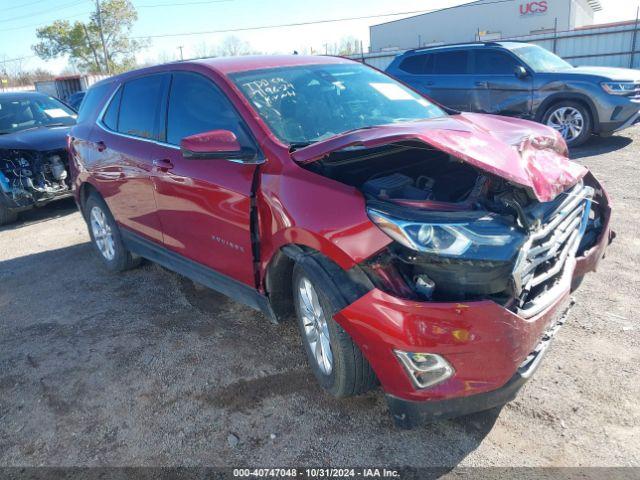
(430, 251)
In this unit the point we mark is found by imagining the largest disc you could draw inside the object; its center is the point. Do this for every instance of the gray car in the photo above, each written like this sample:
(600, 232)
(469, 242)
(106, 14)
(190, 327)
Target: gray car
(527, 81)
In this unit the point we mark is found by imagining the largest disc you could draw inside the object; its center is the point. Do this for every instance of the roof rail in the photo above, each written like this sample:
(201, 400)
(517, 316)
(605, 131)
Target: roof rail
(488, 43)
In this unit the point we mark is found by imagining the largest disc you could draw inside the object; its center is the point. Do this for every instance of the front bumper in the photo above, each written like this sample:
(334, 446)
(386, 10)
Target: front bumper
(11, 204)
(616, 113)
(486, 343)
(407, 413)
(633, 120)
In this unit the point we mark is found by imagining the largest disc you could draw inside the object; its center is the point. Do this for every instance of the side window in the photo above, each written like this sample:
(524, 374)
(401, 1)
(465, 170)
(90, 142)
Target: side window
(92, 101)
(196, 105)
(415, 64)
(494, 62)
(139, 106)
(451, 63)
(110, 118)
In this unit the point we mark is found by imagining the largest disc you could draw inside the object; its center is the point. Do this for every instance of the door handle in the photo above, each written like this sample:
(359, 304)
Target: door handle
(429, 84)
(163, 165)
(481, 84)
(101, 146)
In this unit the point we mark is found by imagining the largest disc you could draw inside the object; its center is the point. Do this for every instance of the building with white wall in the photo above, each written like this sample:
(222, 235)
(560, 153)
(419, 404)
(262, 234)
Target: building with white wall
(483, 20)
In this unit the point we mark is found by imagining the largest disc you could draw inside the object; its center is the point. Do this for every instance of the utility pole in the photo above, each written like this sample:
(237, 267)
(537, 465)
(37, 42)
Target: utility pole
(104, 45)
(181, 57)
(633, 40)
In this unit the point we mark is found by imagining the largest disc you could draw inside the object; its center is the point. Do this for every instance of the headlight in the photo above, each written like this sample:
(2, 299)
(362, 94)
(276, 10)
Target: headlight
(444, 238)
(620, 88)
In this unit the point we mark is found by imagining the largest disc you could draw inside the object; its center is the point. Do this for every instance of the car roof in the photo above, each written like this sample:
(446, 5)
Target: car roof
(229, 65)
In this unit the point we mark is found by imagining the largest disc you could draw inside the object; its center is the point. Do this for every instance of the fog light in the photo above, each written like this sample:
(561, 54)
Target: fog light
(425, 369)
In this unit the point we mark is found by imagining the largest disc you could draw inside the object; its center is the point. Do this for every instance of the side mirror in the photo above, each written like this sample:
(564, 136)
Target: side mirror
(215, 144)
(521, 72)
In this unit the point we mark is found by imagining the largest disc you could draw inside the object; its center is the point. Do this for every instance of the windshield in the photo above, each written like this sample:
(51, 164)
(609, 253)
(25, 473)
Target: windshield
(305, 104)
(540, 59)
(18, 114)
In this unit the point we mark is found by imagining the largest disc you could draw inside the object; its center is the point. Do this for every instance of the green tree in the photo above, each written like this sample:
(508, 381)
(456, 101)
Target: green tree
(83, 41)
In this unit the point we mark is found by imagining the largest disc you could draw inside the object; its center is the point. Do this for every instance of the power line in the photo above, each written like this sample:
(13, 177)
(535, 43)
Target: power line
(39, 24)
(59, 7)
(22, 6)
(7, 60)
(299, 24)
(204, 2)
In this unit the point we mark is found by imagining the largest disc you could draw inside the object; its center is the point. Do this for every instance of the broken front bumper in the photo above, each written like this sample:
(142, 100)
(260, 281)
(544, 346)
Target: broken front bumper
(487, 345)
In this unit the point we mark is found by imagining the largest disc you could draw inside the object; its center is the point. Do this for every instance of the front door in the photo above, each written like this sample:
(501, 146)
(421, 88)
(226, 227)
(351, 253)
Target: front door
(204, 206)
(498, 89)
(450, 82)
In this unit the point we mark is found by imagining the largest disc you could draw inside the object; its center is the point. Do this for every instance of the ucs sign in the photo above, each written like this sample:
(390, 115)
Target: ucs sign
(532, 8)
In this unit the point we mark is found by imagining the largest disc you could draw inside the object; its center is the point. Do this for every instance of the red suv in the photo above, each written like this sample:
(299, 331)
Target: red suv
(430, 251)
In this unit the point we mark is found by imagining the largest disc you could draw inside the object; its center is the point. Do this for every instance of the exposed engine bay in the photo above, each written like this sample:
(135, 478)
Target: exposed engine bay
(462, 233)
(30, 178)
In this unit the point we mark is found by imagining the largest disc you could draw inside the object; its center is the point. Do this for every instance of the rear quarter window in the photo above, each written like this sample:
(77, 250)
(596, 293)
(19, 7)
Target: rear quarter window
(110, 118)
(92, 101)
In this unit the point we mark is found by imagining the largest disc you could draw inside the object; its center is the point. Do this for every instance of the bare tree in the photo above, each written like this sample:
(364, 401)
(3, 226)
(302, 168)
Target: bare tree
(204, 49)
(349, 46)
(233, 46)
(346, 46)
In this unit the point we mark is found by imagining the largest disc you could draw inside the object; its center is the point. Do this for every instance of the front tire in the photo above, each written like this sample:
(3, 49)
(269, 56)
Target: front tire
(7, 216)
(336, 361)
(105, 236)
(572, 120)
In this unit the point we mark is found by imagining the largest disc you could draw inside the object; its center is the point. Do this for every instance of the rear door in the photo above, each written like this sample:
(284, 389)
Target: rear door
(125, 144)
(204, 206)
(497, 88)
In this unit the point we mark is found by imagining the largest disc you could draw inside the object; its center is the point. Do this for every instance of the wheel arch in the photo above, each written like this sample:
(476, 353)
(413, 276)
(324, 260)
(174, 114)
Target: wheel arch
(584, 100)
(352, 283)
(85, 189)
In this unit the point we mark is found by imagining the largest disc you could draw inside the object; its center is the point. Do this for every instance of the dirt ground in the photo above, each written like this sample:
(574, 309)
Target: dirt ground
(146, 368)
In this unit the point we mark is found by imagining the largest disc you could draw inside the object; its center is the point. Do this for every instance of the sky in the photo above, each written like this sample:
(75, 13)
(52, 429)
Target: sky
(20, 18)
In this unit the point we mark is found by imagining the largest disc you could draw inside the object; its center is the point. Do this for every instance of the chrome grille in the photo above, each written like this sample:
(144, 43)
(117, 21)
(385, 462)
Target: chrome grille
(540, 275)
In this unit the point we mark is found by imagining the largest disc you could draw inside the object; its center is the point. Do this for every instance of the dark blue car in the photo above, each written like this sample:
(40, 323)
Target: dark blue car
(525, 80)
(33, 152)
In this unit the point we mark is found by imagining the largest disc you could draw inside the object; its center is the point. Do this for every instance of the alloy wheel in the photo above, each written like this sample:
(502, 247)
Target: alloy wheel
(568, 121)
(102, 233)
(315, 324)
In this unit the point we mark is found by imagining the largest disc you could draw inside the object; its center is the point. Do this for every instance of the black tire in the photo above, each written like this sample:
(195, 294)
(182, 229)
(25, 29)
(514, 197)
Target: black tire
(351, 373)
(7, 216)
(587, 129)
(122, 258)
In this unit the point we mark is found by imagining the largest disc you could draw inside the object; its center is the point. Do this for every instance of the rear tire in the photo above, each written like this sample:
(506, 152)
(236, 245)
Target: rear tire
(345, 372)
(572, 119)
(7, 216)
(105, 236)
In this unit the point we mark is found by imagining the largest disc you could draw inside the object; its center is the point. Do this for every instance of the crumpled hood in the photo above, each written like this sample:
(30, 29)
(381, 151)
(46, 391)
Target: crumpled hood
(39, 139)
(519, 151)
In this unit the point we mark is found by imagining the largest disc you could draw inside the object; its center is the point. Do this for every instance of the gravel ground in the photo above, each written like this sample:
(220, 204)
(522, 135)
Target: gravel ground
(146, 368)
